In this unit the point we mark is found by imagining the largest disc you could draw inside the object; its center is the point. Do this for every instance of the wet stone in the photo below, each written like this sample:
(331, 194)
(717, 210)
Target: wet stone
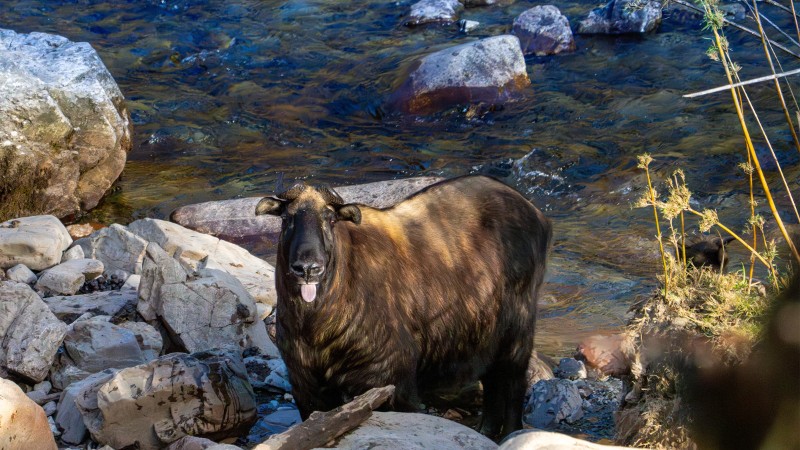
(552, 402)
(570, 369)
(621, 17)
(543, 30)
(434, 11)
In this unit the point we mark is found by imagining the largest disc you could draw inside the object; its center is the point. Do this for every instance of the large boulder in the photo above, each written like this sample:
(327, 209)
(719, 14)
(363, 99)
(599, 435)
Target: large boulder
(490, 70)
(412, 431)
(196, 250)
(64, 128)
(545, 440)
(434, 11)
(543, 30)
(23, 423)
(622, 17)
(31, 334)
(235, 219)
(116, 247)
(69, 418)
(152, 405)
(37, 241)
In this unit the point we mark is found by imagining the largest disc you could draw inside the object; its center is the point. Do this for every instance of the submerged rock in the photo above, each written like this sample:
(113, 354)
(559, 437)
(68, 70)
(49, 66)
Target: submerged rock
(434, 11)
(543, 30)
(490, 70)
(36, 241)
(23, 423)
(31, 333)
(623, 16)
(64, 128)
(155, 404)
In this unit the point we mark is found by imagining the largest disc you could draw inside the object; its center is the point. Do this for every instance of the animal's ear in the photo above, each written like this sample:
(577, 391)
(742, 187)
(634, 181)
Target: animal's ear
(349, 212)
(270, 205)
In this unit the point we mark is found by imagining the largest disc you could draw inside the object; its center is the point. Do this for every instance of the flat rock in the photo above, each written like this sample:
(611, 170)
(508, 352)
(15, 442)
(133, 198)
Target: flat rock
(434, 11)
(23, 423)
(622, 17)
(490, 70)
(412, 431)
(68, 277)
(31, 333)
(543, 30)
(21, 274)
(553, 401)
(64, 128)
(121, 303)
(96, 345)
(545, 440)
(116, 247)
(155, 404)
(37, 241)
(197, 250)
(235, 219)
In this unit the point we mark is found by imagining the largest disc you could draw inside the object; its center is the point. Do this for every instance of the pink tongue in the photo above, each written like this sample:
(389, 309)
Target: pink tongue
(308, 291)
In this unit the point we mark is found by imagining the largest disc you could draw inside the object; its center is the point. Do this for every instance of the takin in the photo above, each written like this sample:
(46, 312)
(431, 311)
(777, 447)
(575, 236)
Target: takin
(439, 288)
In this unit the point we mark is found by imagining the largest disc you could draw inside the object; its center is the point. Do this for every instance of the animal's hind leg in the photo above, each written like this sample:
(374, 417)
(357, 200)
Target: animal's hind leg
(503, 394)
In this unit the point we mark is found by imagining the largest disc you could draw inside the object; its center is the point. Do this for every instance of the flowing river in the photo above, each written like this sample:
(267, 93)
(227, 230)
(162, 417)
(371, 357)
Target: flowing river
(229, 96)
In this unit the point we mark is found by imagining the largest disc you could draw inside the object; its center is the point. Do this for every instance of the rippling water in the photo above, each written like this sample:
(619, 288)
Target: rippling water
(227, 95)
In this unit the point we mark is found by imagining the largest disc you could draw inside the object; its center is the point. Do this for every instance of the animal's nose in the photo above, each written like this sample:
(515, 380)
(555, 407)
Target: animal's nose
(307, 269)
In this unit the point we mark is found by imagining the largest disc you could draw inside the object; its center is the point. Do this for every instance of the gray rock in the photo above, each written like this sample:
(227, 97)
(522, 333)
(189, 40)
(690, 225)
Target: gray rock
(475, 3)
(50, 408)
(132, 282)
(36, 241)
(490, 70)
(21, 274)
(44, 387)
(95, 345)
(64, 372)
(552, 402)
(63, 124)
(148, 338)
(67, 277)
(571, 369)
(158, 269)
(278, 376)
(412, 431)
(623, 16)
(543, 30)
(235, 219)
(117, 304)
(196, 250)
(155, 404)
(74, 252)
(537, 439)
(211, 311)
(116, 247)
(538, 369)
(68, 417)
(466, 26)
(434, 11)
(31, 333)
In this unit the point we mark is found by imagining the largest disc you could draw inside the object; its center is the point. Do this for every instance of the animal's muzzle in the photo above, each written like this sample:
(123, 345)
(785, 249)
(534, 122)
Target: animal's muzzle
(307, 270)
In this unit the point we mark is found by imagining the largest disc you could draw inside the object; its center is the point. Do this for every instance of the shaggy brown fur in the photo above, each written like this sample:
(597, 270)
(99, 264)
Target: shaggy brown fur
(442, 287)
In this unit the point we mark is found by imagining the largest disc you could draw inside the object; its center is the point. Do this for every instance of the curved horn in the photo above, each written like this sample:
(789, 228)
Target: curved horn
(293, 192)
(330, 196)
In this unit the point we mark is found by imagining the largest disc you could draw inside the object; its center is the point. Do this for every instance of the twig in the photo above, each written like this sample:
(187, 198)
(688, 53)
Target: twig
(740, 27)
(774, 3)
(743, 83)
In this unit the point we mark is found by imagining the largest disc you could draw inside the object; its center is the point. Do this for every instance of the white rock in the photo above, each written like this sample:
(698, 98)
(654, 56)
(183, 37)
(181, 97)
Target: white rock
(66, 119)
(74, 252)
(132, 282)
(176, 395)
(198, 443)
(412, 431)
(434, 11)
(31, 333)
(21, 274)
(111, 303)
(23, 423)
(149, 339)
(36, 241)
(544, 440)
(96, 345)
(158, 269)
(199, 250)
(68, 277)
(116, 247)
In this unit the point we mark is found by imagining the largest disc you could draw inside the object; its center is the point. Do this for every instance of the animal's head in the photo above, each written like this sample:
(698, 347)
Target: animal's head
(306, 245)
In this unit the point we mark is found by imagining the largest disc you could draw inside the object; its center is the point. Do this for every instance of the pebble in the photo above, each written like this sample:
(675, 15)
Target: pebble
(101, 283)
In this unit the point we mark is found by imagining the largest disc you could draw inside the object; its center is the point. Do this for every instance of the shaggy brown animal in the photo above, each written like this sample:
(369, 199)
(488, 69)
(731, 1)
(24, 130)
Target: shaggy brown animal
(441, 287)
